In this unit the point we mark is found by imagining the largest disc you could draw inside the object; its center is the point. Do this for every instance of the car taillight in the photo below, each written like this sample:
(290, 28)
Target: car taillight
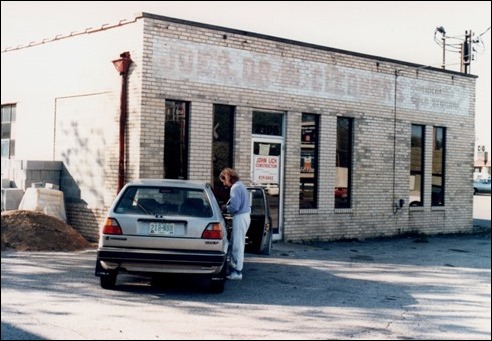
(111, 226)
(213, 231)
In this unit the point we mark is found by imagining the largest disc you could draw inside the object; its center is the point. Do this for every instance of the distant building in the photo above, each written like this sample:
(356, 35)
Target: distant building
(356, 146)
(481, 166)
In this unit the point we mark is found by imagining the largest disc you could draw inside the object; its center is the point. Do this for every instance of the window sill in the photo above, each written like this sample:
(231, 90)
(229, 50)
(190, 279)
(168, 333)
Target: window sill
(308, 210)
(343, 210)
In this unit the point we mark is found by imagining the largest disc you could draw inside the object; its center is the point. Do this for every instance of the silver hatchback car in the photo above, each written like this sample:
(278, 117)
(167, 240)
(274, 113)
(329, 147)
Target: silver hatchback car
(164, 227)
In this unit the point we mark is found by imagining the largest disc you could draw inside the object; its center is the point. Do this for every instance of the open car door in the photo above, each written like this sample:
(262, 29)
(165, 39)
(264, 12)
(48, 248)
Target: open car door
(259, 236)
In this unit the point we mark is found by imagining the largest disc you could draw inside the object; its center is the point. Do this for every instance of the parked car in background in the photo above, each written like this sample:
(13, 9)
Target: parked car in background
(480, 176)
(481, 186)
(164, 227)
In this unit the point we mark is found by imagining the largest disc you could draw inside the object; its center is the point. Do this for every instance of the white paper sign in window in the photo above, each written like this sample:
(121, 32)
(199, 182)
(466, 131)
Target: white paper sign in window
(266, 169)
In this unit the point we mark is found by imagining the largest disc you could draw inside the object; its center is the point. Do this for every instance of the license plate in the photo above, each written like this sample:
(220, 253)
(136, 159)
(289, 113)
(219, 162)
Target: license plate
(161, 228)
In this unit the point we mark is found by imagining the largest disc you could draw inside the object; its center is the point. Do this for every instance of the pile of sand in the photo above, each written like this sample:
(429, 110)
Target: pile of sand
(33, 231)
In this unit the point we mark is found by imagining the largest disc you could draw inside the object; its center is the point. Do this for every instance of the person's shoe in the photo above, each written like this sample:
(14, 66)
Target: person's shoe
(235, 276)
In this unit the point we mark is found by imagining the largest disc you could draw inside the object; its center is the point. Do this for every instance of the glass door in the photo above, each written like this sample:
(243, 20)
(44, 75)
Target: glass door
(267, 172)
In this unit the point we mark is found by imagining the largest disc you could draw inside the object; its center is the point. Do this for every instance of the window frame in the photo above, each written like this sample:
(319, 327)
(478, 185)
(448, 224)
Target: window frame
(421, 161)
(183, 141)
(8, 118)
(438, 144)
(220, 142)
(309, 150)
(345, 197)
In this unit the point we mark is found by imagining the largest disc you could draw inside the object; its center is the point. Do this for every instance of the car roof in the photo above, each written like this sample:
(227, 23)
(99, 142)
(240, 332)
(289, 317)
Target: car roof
(176, 183)
(169, 182)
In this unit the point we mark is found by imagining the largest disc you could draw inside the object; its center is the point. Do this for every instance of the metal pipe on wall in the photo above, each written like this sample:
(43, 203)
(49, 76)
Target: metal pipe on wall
(122, 65)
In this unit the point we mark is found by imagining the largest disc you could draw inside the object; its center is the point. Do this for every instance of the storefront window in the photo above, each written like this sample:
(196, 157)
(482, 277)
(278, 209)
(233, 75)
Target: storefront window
(308, 192)
(222, 146)
(343, 173)
(8, 119)
(438, 166)
(176, 140)
(417, 165)
(267, 123)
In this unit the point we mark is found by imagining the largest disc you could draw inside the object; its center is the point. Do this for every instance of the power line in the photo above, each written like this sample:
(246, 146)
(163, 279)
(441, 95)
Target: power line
(466, 46)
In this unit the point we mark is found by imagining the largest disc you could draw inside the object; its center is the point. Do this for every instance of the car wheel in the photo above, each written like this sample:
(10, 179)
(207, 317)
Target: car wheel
(217, 287)
(268, 247)
(108, 281)
(217, 283)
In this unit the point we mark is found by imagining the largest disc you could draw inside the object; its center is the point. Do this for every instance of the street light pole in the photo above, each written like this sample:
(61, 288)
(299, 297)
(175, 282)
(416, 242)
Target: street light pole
(441, 30)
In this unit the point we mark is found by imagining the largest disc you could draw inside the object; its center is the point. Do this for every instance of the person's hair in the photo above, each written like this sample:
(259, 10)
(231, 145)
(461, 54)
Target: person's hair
(233, 176)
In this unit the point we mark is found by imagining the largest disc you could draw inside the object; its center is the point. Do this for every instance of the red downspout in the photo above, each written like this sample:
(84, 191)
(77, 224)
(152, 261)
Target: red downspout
(122, 65)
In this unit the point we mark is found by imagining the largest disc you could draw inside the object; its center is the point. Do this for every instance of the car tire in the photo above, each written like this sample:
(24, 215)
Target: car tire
(108, 281)
(268, 247)
(217, 287)
(217, 283)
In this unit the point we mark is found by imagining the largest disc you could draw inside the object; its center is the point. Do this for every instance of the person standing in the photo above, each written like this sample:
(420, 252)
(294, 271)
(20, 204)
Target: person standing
(239, 207)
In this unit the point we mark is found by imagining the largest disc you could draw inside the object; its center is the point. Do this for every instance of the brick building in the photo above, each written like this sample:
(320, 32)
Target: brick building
(349, 145)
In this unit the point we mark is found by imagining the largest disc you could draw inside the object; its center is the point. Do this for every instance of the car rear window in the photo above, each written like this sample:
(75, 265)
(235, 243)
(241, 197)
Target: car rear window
(164, 201)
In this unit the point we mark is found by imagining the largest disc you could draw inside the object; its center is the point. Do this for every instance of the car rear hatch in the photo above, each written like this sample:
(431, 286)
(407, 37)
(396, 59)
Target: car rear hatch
(164, 218)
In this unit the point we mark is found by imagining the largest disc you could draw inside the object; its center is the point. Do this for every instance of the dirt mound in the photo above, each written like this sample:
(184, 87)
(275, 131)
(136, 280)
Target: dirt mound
(34, 231)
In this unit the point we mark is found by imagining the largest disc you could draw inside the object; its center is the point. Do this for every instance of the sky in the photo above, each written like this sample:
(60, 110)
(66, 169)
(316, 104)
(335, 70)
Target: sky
(401, 30)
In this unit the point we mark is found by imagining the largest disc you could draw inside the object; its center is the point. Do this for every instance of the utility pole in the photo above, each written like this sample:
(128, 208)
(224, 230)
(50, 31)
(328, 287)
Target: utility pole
(444, 49)
(464, 48)
(466, 53)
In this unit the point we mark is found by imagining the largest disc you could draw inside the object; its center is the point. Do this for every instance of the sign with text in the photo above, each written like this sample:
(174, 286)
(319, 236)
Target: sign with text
(183, 60)
(266, 169)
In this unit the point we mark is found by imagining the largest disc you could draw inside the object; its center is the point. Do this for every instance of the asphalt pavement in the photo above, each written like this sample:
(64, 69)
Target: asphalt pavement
(407, 288)
(413, 287)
